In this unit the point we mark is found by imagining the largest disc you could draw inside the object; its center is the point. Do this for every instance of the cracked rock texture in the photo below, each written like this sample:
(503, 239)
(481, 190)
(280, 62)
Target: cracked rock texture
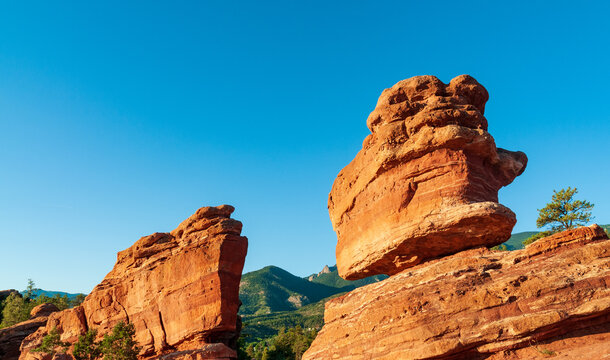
(179, 289)
(551, 298)
(426, 181)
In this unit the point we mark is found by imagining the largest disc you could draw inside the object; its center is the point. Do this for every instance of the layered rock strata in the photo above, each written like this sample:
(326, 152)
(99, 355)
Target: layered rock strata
(179, 289)
(551, 298)
(12, 336)
(426, 181)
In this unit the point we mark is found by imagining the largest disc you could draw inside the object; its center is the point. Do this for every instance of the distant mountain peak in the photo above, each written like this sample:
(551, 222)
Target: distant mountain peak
(326, 270)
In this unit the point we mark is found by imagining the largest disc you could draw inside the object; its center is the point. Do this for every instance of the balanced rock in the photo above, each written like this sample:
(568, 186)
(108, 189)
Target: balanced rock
(179, 290)
(426, 181)
(553, 297)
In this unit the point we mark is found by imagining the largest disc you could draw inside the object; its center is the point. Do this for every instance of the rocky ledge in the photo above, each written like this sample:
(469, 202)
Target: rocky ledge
(551, 298)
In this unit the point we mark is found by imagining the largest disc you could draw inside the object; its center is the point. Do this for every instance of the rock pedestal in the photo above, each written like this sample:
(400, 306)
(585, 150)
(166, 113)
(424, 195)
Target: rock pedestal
(551, 297)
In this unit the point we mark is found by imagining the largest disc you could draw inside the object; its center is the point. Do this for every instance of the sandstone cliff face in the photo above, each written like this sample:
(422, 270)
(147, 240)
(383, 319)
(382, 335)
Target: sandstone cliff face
(179, 289)
(426, 181)
(551, 297)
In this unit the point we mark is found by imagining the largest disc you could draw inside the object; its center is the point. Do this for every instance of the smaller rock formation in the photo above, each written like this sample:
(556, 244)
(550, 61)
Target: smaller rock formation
(426, 181)
(178, 289)
(551, 297)
(11, 337)
(43, 310)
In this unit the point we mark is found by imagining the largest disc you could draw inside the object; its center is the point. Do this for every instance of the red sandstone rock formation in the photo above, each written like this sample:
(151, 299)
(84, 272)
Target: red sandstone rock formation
(426, 181)
(11, 337)
(43, 310)
(179, 289)
(553, 297)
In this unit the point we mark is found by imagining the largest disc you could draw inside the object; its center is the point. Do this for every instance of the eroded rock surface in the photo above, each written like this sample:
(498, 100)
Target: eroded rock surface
(12, 336)
(179, 289)
(426, 181)
(551, 297)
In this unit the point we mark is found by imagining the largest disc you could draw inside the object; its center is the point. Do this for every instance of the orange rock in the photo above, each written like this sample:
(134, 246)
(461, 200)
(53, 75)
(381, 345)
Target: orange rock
(479, 303)
(216, 351)
(11, 337)
(45, 309)
(179, 289)
(426, 181)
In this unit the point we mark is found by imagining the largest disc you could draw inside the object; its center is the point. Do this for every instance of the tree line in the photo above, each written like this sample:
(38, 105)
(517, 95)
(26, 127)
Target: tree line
(16, 307)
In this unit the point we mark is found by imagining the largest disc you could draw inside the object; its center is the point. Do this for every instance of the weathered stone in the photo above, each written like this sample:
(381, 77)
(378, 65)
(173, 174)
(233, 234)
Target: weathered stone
(479, 303)
(11, 337)
(216, 351)
(45, 309)
(426, 181)
(178, 289)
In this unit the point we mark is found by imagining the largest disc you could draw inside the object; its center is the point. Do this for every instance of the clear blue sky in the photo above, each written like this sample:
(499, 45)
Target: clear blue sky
(119, 120)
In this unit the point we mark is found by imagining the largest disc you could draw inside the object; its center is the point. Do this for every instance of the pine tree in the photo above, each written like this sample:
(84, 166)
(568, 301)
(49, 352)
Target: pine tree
(119, 344)
(51, 342)
(564, 212)
(16, 309)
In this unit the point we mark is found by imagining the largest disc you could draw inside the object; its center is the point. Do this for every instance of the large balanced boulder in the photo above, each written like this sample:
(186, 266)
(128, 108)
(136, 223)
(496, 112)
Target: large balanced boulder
(426, 181)
(179, 290)
(551, 298)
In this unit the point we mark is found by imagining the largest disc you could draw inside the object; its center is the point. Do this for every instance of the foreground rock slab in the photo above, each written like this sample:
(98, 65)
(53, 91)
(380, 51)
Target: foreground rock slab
(553, 297)
(426, 181)
(12, 336)
(179, 289)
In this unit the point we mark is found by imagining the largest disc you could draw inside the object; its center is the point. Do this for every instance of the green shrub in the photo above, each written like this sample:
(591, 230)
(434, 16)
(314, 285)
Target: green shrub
(16, 309)
(537, 236)
(119, 344)
(78, 299)
(287, 345)
(500, 247)
(86, 348)
(51, 342)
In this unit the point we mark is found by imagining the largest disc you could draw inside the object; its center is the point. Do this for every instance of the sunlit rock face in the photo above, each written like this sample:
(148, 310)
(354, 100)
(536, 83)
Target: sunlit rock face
(551, 298)
(426, 181)
(180, 290)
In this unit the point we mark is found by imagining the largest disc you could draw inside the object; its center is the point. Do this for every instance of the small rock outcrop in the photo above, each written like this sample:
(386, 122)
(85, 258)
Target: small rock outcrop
(12, 336)
(178, 289)
(426, 181)
(553, 297)
(43, 310)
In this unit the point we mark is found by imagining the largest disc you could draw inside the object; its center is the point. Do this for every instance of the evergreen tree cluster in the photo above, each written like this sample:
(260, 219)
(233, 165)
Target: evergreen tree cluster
(117, 345)
(289, 344)
(16, 307)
